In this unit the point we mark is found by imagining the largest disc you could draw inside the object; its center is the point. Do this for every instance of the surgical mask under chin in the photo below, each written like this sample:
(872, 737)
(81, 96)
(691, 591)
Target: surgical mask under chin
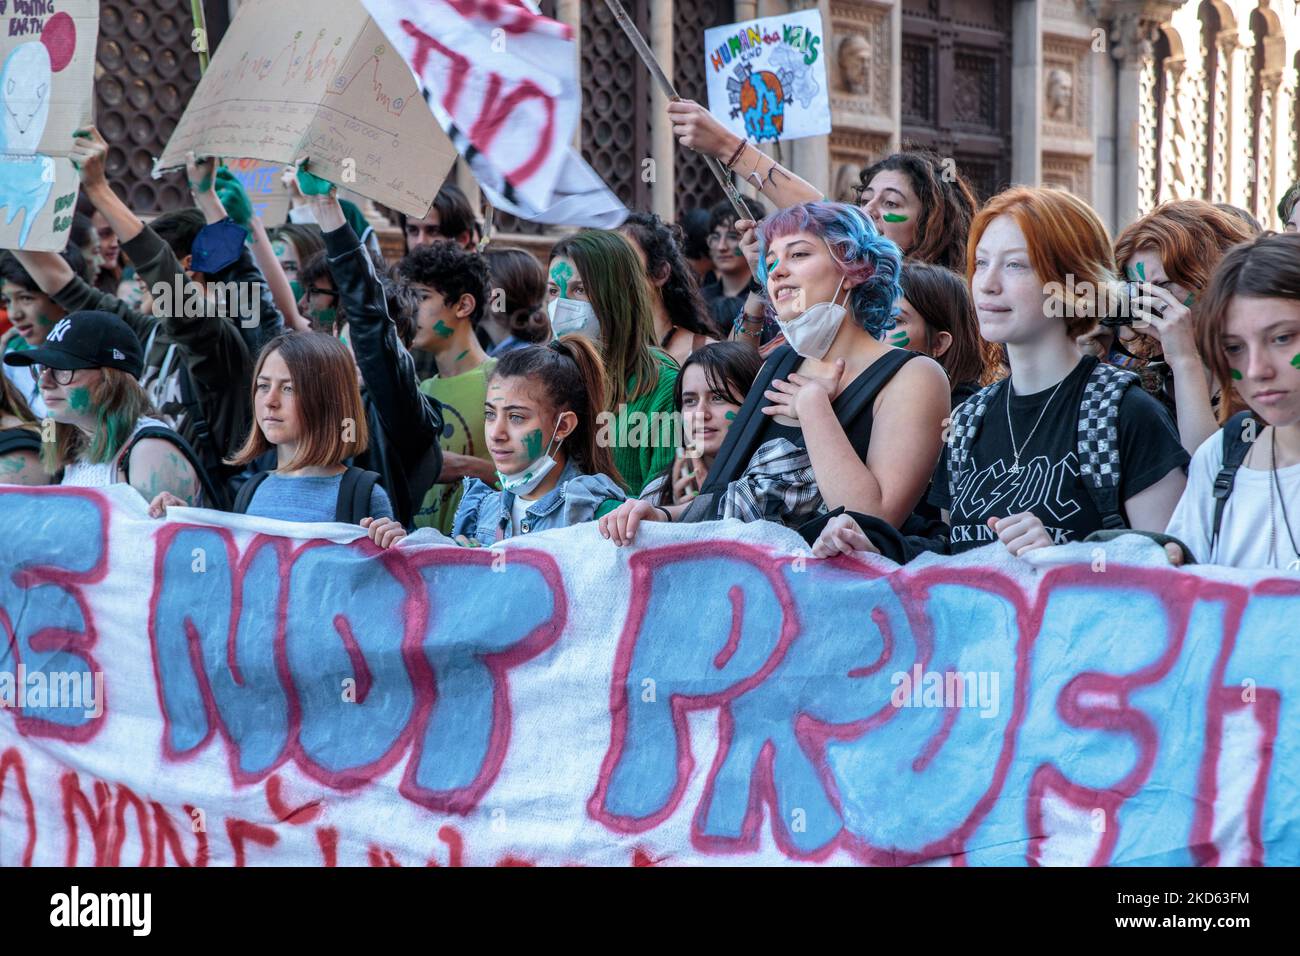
(812, 333)
(523, 482)
(573, 315)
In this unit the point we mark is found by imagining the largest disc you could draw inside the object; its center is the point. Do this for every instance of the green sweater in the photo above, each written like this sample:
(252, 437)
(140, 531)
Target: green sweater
(643, 439)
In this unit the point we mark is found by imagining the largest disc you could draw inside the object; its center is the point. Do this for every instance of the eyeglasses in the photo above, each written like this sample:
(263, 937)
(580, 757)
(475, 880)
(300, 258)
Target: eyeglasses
(323, 292)
(61, 376)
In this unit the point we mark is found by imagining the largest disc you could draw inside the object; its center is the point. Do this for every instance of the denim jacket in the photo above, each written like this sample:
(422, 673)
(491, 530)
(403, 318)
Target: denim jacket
(573, 500)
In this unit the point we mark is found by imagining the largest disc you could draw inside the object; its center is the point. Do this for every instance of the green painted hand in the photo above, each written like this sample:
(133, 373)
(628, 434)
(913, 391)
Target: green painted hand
(313, 185)
(232, 195)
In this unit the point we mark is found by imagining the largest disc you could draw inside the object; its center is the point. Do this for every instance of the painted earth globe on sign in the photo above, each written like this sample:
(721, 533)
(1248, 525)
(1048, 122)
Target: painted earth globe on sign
(762, 103)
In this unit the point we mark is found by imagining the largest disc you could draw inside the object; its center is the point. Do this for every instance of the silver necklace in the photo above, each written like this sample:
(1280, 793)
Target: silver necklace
(1015, 464)
(1275, 484)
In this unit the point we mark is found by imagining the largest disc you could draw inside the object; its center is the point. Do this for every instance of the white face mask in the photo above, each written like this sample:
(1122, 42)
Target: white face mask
(812, 333)
(573, 315)
(525, 481)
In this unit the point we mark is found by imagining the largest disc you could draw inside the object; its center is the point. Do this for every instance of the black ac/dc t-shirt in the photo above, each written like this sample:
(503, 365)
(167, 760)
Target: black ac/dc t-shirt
(1048, 483)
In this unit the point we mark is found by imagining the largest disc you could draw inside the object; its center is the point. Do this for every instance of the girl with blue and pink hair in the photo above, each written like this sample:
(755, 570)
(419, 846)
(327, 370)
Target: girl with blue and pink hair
(837, 418)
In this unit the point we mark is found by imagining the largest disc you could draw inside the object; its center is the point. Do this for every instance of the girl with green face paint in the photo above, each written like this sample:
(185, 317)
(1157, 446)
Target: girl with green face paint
(708, 395)
(1249, 329)
(540, 422)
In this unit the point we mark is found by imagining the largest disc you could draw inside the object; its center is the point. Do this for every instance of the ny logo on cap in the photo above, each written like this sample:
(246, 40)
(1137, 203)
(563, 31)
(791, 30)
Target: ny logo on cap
(118, 355)
(59, 330)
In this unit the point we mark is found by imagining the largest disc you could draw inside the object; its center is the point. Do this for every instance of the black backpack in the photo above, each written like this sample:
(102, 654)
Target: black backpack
(1235, 449)
(353, 502)
(210, 496)
(1098, 440)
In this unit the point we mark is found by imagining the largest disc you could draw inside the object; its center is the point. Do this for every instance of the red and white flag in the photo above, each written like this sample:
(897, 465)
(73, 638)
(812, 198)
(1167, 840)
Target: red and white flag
(502, 80)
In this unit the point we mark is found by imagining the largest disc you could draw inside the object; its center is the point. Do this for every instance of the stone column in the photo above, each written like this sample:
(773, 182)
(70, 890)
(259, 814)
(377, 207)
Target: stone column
(1026, 92)
(663, 146)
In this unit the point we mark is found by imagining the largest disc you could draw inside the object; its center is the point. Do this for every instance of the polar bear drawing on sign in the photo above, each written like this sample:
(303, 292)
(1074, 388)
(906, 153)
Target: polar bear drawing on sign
(26, 81)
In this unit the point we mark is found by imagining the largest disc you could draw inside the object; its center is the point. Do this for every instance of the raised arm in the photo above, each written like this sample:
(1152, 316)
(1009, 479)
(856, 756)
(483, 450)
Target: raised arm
(413, 421)
(697, 128)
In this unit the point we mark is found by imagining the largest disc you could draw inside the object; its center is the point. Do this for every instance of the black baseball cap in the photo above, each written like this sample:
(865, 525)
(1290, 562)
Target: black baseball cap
(89, 339)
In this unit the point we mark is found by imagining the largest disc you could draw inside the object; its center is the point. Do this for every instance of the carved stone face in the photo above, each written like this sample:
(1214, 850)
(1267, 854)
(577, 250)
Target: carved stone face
(1060, 95)
(855, 63)
(847, 178)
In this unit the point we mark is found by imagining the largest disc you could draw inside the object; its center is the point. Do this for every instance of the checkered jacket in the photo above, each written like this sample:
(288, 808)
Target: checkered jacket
(1098, 444)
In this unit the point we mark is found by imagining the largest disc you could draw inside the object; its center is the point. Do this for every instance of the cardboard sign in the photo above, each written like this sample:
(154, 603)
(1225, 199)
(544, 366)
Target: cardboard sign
(320, 82)
(47, 62)
(265, 189)
(767, 77)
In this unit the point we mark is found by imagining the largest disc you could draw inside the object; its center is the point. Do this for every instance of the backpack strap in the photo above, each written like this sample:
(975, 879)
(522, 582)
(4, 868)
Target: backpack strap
(963, 430)
(354, 495)
(862, 391)
(210, 498)
(739, 445)
(1098, 442)
(1235, 449)
(246, 491)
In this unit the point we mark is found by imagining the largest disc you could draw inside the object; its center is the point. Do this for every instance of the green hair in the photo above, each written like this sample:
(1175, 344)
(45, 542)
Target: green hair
(617, 287)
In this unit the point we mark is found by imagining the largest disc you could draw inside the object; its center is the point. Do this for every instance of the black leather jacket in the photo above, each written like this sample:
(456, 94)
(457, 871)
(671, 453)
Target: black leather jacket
(405, 424)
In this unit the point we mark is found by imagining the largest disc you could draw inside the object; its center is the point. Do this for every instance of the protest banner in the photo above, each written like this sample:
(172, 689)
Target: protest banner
(266, 191)
(46, 83)
(319, 83)
(502, 81)
(767, 77)
(207, 691)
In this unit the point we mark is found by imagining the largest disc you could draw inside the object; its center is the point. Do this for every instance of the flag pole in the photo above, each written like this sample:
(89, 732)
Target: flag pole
(666, 87)
(200, 24)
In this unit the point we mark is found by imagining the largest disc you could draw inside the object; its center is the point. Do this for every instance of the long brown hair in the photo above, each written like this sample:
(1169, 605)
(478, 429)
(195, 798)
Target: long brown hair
(12, 403)
(619, 292)
(573, 375)
(948, 204)
(328, 401)
(1268, 268)
(943, 301)
(119, 402)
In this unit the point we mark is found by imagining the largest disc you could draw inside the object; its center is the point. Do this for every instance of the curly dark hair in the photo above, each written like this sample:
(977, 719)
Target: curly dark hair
(662, 245)
(451, 271)
(947, 204)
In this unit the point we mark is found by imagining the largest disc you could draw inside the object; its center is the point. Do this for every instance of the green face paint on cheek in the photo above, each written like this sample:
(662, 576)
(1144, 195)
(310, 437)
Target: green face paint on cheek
(44, 321)
(560, 275)
(900, 339)
(1236, 376)
(79, 399)
(893, 217)
(1142, 271)
(442, 330)
(533, 444)
(1295, 361)
(730, 416)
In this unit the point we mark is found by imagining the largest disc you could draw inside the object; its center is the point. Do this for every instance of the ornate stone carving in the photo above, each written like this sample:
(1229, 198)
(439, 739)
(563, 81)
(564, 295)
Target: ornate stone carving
(851, 152)
(1071, 173)
(855, 63)
(1067, 89)
(1060, 95)
(863, 56)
